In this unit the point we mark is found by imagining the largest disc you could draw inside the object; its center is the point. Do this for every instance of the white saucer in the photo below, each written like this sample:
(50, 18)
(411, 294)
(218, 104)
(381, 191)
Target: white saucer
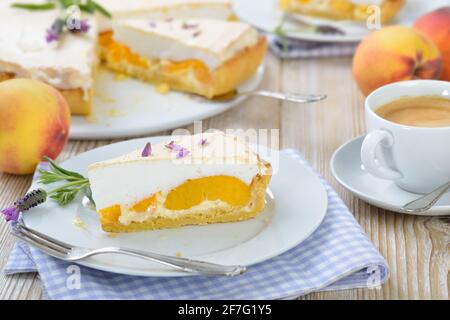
(347, 168)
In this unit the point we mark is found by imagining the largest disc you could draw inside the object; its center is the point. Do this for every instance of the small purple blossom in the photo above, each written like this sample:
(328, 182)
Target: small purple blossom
(196, 34)
(11, 213)
(170, 145)
(79, 26)
(152, 24)
(30, 200)
(60, 25)
(204, 142)
(147, 151)
(183, 153)
(173, 146)
(55, 30)
(51, 36)
(84, 26)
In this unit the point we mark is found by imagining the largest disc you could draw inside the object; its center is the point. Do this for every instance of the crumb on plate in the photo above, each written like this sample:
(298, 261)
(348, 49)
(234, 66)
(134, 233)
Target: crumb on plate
(162, 88)
(79, 223)
(120, 76)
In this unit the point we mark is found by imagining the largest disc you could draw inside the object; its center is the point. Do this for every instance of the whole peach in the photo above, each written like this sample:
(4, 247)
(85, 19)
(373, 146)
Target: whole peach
(436, 25)
(392, 54)
(34, 122)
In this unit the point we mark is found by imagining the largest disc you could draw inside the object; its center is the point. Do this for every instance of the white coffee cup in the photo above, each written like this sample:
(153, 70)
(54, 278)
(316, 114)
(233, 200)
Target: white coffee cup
(417, 159)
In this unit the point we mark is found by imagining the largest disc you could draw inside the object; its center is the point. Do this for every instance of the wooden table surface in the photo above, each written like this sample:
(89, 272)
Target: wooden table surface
(417, 249)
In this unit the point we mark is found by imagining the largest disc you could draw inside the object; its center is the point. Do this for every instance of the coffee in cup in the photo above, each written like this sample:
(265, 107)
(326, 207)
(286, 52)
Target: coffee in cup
(420, 111)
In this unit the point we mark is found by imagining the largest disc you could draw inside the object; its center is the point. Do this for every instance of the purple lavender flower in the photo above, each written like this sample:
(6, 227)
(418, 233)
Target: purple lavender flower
(182, 153)
(11, 213)
(204, 142)
(51, 36)
(55, 30)
(84, 26)
(170, 145)
(80, 26)
(147, 151)
(60, 25)
(173, 146)
(30, 200)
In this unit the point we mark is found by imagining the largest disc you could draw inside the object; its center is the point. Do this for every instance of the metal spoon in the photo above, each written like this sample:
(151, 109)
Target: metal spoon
(292, 97)
(424, 203)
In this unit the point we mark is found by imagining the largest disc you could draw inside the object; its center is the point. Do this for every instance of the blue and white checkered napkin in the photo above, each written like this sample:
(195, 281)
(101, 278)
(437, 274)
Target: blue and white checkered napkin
(296, 49)
(338, 255)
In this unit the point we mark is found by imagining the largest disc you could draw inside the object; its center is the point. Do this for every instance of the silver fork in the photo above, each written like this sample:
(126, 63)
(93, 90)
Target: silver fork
(66, 252)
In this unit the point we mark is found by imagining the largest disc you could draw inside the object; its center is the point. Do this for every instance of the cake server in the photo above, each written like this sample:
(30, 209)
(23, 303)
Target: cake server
(66, 252)
(292, 97)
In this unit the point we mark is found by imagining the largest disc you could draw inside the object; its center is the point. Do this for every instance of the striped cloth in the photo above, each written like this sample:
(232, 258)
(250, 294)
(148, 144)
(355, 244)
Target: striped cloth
(338, 255)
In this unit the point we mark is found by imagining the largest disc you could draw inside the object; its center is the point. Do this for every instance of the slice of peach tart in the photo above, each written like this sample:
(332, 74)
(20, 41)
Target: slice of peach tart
(206, 57)
(191, 180)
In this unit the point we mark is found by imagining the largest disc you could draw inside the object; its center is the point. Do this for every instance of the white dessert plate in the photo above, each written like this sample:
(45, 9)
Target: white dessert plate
(296, 205)
(348, 170)
(130, 108)
(266, 15)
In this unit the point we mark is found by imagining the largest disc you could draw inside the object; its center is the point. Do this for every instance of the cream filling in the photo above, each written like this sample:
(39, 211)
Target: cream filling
(210, 41)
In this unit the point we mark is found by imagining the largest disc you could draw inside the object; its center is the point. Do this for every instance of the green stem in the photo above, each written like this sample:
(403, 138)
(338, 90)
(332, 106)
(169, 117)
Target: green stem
(82, 183)
(70, 178)
(64, 177)
(34, 6)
